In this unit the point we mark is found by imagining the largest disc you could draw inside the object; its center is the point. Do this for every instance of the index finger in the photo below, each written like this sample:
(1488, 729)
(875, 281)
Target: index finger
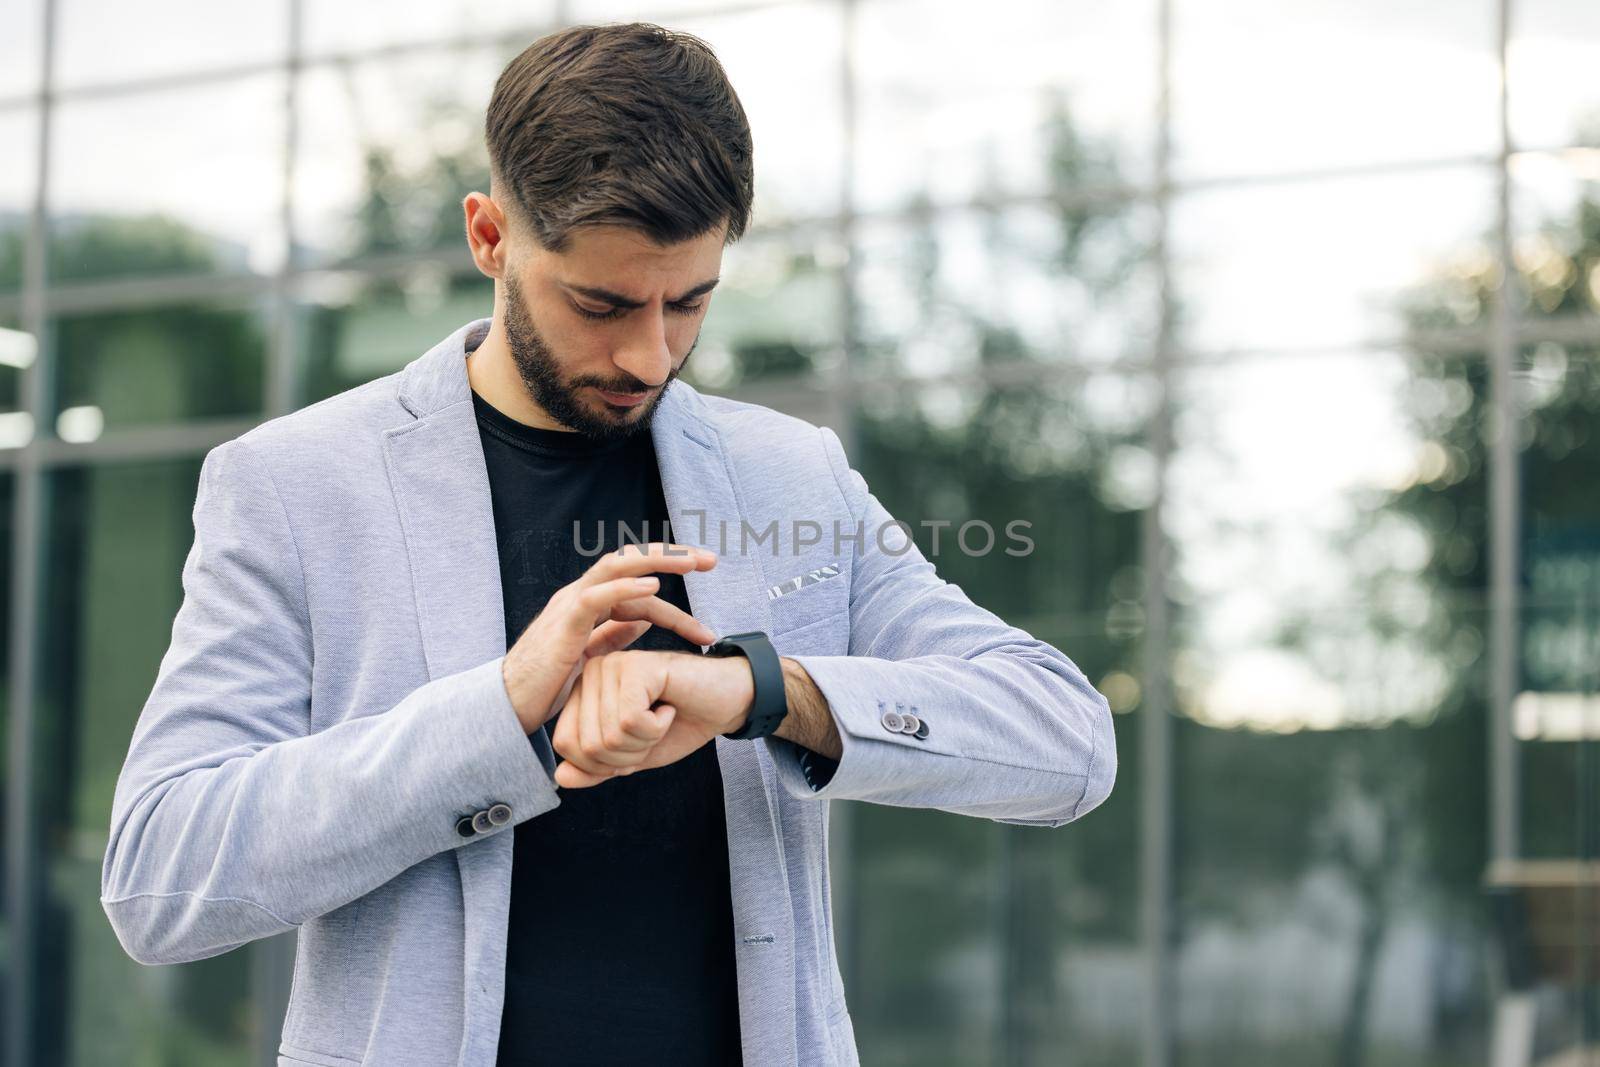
(632, 560)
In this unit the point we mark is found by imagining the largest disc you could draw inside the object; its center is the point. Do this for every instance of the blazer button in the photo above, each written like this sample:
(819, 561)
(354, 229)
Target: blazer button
(481, 823)
(910, 724)
(893, 722)
(464, 826)
(922, 730)
(500, 814)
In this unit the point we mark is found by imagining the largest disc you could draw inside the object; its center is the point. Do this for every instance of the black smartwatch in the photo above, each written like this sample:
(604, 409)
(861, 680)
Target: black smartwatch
(771, 703)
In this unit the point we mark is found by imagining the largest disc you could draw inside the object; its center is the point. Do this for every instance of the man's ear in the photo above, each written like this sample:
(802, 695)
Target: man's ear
(486, 234)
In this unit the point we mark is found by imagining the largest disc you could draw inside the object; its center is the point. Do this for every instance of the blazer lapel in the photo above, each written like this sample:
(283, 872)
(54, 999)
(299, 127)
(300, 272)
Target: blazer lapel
(702, 503)
(441, 487)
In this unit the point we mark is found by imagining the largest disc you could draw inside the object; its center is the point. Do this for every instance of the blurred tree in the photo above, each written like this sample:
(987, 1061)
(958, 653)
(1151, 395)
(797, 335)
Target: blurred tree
(1025, 445)
(115, 544)
(1423, 784)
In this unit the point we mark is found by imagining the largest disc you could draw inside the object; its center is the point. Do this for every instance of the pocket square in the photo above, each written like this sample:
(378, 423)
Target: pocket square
(800, 581)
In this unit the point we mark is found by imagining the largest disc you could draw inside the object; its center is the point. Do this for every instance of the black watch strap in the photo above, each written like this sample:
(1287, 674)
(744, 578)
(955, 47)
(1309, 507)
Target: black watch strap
(771, 703)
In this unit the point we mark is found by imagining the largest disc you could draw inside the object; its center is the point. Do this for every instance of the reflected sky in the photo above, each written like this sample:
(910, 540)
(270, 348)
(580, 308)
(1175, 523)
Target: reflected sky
(1260, 86)
(103, 41)
(1319, 264)
(1553, 55)
(211, 159)
(351, 25)
(1264, 488)
(954, 104)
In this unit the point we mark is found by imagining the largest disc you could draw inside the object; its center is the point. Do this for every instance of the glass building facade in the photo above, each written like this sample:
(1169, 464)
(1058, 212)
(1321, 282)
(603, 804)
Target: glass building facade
(1278, 323)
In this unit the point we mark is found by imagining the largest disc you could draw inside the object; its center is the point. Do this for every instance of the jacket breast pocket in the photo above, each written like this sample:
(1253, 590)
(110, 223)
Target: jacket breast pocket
(813, 592)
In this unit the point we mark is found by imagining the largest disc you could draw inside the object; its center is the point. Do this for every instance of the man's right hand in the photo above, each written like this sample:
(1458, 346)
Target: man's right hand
(606, 610)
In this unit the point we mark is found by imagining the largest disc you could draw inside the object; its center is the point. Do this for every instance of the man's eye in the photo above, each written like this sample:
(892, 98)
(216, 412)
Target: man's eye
(686, 309)
(597, 315)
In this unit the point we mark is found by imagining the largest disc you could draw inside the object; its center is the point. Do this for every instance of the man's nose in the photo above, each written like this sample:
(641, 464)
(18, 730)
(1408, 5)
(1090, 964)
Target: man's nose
(644, 352)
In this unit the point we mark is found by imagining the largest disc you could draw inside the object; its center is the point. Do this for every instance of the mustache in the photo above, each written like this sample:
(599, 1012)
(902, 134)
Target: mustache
(630, 385)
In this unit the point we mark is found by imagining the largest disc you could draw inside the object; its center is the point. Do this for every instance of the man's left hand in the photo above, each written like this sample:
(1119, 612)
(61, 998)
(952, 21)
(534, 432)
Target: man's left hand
(633, 710)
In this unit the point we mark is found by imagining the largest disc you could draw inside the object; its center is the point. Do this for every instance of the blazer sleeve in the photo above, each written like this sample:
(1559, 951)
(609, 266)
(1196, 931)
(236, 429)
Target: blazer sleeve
(1015, 732)
(232, 820)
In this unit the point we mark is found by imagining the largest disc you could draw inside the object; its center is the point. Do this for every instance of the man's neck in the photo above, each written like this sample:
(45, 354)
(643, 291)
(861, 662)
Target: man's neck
(492, 373)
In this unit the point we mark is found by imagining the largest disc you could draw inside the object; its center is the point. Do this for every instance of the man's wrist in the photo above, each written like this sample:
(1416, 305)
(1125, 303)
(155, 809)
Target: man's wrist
(525, 689)
(810, 722)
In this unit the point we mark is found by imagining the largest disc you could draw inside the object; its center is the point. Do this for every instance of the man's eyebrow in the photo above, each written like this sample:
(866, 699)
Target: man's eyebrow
(618, 300)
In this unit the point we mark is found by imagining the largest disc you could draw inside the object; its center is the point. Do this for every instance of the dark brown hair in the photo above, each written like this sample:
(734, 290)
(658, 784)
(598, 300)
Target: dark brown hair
(623, 124)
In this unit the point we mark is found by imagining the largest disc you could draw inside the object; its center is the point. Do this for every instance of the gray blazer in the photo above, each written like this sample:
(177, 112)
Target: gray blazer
(331, 706)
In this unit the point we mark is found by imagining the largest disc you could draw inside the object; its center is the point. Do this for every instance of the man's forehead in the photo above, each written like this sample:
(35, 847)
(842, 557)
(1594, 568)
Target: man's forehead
(625, 244)
(628, 267)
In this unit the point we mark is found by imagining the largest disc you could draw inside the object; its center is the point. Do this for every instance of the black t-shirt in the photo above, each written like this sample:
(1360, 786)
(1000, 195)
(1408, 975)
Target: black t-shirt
(620, 943)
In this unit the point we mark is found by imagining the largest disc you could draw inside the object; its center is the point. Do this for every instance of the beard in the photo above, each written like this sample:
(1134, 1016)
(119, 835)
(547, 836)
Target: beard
(560, 397)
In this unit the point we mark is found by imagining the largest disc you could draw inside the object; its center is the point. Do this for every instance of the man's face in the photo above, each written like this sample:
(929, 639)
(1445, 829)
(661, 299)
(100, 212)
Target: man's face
(599, 331)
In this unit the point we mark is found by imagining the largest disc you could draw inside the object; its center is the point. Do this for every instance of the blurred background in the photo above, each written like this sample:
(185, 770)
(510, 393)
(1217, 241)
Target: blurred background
(1279, 322)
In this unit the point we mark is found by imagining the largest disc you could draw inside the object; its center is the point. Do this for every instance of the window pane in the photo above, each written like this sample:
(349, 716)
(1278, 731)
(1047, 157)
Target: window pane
(157, 365)
(948, 292)
(18, 351)
(775, 314)
(1324, 264)
(974, 941)
(1556, 713)
(1261, 86)
(623, 10)
(352, 332)
(387, 150)
(1557, 239)
(192, 194)
(117, 538)
(1032, 97)
(1557, 709)
(19, 132)
(1330, 624)
(352, 25)
(8, 964)
(1554, 51)
(99, 41)
(21, 47)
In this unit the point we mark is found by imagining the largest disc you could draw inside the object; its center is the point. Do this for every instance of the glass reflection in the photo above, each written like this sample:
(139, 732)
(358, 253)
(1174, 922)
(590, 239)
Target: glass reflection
(118, 535)
(1556, 235)
(948, 292)
(18, 180)
(21, 48)
(353, 25)
(1550, 60)
(353, 330)
(953, 107)
(387, 149)
(776, 313)
(157, 365)
(1262, 87)
(1329, 665)
(1557, 708)
(975, 941)
(18, 351)
(1323, 264)
(8, 968)
(101, 41)
(182, 202)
